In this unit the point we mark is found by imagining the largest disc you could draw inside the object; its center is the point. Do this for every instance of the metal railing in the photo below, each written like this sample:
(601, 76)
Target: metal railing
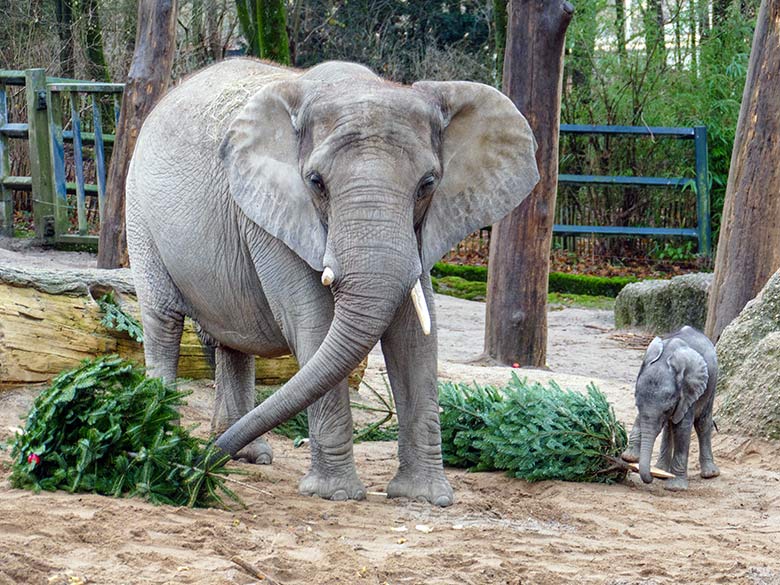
(700, 184)
(48, 128)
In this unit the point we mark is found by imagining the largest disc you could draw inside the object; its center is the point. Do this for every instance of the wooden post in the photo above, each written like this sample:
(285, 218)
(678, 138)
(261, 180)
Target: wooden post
(516, 323)
(147, 81)
(40, 155)
(6, 195)
(749, 246)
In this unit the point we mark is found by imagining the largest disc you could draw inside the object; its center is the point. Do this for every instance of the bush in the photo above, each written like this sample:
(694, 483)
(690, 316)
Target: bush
(106, 428)
(532, 431)
(580, 284)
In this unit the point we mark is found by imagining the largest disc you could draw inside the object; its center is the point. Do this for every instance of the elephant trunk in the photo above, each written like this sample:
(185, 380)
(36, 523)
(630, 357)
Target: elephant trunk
(649, 435)
(366, 300)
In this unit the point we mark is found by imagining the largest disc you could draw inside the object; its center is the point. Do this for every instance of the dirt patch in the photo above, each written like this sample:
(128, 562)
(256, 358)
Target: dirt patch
(500, 530)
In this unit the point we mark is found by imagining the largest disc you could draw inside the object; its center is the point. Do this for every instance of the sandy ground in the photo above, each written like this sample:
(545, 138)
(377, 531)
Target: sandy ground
(500, 530)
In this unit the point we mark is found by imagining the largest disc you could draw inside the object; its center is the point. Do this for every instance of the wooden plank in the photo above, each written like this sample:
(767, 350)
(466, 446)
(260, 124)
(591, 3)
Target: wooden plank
(624, 230)
(18, 183)
(703, 192)
(78, 162)
(683, 133)
(6, 196)
(678, 183)
(40, 153)
(100, 156)
(12, 130)
(61, 222)
(87, 87)
(11, 77)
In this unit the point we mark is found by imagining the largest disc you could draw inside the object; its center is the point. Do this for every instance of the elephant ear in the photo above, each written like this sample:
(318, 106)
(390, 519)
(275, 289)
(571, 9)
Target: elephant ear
(691, 374)
(260, 153)
(488, 163)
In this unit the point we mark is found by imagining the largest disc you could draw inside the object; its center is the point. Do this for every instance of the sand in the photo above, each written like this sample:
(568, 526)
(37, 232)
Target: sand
(500, 530)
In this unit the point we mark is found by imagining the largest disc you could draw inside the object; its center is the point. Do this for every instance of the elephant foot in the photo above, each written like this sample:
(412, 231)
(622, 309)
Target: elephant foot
(258, 452)
(428, 486)
(677, 484)
(709, 470)
(631, 454)
(338, 487)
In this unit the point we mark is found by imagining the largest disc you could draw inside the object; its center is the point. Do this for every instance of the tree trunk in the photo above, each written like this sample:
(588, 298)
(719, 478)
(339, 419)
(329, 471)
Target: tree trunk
(264, 25)
(64, 11)
(655, 40)
(749, 245)
(620, 27)
(147, 80)
(499, 23)
(49, 322)
(97, 67)
(516, 324)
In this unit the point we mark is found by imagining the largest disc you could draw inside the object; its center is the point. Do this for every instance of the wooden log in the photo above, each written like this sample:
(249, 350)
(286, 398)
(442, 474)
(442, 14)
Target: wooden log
(50, 321)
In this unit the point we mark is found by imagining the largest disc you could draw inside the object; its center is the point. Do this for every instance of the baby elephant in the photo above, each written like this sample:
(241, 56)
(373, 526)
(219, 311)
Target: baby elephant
(675, 390)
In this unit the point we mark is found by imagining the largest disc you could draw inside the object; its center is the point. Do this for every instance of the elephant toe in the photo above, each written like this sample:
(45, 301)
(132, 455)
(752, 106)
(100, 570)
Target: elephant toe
(335, 487)
(678, 484)
(431, 487)
(258, 452)
(630, 455)
(709, 471)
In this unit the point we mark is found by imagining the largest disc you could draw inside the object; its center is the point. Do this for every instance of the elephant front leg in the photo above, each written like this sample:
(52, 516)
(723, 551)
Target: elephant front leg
(410, 357)
(681, 436)
(332, 474)
(631, 453)
(235, 396)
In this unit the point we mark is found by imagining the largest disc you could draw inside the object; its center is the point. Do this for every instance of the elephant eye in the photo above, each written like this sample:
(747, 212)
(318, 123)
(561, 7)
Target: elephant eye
(316, 182)
(426, 186)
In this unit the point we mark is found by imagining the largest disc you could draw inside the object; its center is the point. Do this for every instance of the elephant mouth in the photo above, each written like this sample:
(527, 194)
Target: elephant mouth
(418, 299)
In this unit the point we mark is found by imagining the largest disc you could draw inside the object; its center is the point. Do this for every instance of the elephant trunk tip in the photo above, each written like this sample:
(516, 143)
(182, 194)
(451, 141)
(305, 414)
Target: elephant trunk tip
(646, 476)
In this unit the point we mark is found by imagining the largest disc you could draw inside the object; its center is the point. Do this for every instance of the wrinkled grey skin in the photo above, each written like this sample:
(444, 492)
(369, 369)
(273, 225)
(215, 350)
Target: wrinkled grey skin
(248, 180)
(675, 391)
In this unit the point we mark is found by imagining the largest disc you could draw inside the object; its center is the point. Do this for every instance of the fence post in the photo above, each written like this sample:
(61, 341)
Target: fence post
(6, 196)
(40, 155)
(704, 226)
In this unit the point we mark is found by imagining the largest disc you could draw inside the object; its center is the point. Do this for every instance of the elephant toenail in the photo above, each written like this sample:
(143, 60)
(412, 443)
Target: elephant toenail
(339, 496)
(443, 501)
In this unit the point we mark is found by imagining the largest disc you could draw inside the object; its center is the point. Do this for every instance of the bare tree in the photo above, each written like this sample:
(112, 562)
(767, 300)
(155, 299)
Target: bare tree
(150, 73)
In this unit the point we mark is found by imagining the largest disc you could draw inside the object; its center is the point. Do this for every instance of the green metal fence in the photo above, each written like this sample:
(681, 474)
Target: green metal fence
(55, 109)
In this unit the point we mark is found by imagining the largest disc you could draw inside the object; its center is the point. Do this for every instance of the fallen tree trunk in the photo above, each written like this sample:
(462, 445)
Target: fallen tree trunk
(50, 321)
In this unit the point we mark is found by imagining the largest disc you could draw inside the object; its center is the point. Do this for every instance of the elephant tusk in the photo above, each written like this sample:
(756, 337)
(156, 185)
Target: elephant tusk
(418, 298)
(327, 276)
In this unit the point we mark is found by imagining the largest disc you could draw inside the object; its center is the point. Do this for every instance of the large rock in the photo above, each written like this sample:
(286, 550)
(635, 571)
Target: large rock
(749, 359)
(663, 306)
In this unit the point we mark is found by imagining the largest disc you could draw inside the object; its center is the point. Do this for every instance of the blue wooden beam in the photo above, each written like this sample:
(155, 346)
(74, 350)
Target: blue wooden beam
(684, 133)
(624, 231)
(675, 182)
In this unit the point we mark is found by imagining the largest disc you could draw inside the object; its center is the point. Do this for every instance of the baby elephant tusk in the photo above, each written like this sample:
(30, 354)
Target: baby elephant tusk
(418, 298)
(327, 276)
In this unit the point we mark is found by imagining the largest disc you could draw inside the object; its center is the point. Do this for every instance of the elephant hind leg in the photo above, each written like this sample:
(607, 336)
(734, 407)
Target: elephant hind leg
(704, 425)
(235, 396)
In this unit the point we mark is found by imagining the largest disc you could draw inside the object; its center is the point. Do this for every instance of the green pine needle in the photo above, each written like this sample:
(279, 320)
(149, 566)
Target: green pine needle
(106, 428)
(114, 317)
(531, 431)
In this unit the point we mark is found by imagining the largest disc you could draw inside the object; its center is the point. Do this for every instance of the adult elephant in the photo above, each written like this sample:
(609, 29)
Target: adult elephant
(252, 186)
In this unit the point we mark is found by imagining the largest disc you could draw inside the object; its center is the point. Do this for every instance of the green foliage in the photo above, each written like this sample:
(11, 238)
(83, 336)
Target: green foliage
(532, 431)
(381, 429)
(264, 26)
(560, 282)
(455, 286)
(115, 318)
(675, 253)
(583, 284)
(106, 428)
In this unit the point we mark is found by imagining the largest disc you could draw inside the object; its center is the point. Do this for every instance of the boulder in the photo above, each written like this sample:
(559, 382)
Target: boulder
(663, 306)
(749, 360)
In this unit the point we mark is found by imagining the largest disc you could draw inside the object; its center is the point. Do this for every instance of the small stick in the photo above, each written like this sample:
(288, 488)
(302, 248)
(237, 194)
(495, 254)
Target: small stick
(254, 571)
(248, 486)
(654, 471)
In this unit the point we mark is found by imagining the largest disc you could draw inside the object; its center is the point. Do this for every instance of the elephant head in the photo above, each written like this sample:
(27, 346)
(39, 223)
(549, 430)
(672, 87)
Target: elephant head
(672, 377)
(370, 183)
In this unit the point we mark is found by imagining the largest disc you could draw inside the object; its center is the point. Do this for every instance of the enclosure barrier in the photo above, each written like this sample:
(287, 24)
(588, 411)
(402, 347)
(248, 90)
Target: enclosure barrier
(700, 184)
(46, 136)
(52, 212)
